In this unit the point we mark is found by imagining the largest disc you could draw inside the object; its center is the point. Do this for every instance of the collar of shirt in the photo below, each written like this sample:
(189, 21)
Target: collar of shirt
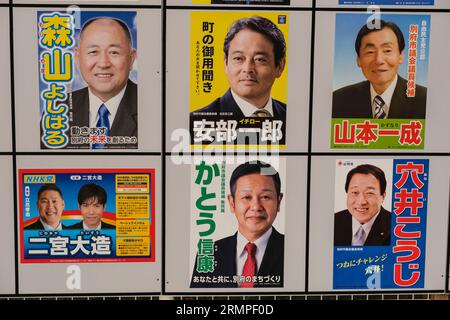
(112, 105)
(366, 226)
(241, 253)
(386, 96)
(99, 227)
(247, 108)
(48, 227)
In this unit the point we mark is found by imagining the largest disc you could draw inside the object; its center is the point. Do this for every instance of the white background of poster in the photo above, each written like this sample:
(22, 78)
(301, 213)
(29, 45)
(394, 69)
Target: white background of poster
(441, 4)
(322, 221)
(149, 79)
(294, 3)
(95, 277)
(7, 269)
(178, 221)
(438, 95)
(5, 83)
(178, 64)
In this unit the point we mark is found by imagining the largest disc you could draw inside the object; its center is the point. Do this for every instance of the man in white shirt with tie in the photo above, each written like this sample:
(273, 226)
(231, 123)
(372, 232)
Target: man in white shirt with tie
(365, 222)
(108, 105)
(385, 95)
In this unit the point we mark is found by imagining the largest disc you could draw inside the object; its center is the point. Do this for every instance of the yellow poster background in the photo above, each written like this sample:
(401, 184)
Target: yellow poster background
(222, 21)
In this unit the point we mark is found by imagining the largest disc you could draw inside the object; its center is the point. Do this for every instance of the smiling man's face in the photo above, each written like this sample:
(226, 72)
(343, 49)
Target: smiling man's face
(250, 67)
(105, 58)
(379, 58)
(364, 198)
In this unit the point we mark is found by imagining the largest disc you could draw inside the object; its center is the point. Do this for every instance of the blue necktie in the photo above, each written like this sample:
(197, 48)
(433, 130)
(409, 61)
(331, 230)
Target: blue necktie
(103, 122)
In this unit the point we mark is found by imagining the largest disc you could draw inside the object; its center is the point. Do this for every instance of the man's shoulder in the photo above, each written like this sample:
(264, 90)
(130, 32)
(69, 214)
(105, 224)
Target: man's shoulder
(78, 225)
(212, 107)
(342, 215)
(360, 87)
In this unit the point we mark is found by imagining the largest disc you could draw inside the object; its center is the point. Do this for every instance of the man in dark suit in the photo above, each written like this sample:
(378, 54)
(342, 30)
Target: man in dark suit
(365, 222)
(256, 250)
(92, 201)
(385, 95)
(50, 205)
(255, 56)
(108, 105)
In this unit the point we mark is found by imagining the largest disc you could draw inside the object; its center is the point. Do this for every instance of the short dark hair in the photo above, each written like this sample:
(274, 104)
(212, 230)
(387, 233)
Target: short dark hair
(122, 24)
(49, 186)
(365, 30)
(263, 26)
(255, 167)
(92, 190)
(368, 169)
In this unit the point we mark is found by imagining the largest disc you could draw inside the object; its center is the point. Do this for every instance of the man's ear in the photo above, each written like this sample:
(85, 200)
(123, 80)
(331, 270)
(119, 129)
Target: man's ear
(357, 62)
(133, 55)
(280, 67)
(231, 202)
(280, 197)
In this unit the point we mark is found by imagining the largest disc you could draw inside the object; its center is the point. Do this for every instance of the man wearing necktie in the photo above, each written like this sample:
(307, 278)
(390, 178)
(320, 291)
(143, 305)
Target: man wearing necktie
(380, 52)
(365, 222)
(254, 57)
(108, 105)
(256, 250)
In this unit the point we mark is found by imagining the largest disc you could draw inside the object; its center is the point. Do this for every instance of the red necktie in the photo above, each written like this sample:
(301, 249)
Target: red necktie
(249, 269)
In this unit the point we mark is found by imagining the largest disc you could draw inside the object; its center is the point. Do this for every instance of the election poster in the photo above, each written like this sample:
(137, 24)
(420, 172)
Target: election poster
(87, 215)
(237, 224)
(389, 2)
(380, 223)
(87, 79)
(380, 81)
(243, 2)
(238, 79)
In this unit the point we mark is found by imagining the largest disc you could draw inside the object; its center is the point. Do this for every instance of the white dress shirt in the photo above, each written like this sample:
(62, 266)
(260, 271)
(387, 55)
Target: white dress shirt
(241, 253)
(248, 109)
(366, 226)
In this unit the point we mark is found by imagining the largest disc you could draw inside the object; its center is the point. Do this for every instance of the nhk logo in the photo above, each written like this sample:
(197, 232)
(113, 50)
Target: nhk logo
(39, 178)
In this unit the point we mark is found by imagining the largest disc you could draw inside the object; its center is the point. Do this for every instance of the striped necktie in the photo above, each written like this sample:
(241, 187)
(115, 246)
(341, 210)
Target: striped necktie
(103, 122)
(379, 110)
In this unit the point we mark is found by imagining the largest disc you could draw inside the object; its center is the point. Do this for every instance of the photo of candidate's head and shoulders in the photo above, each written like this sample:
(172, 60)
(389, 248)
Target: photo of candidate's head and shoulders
(365, 222)
(256, 249)
(380, 50)
(92, 203)
(104, 57)
(50, 205)
(254, 57)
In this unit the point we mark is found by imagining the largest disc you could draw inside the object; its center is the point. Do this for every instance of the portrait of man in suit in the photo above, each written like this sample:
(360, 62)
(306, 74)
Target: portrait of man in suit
(365, 222)
(380, 51)
(50, 205)
(254, 57)
(92, 201)
(105, 56)
(256, 249)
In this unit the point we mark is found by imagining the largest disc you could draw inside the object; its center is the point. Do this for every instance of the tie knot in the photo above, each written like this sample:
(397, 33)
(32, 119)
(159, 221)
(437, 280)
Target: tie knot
(251, 248)
(262, 113)
(379, 101)
(103, 111)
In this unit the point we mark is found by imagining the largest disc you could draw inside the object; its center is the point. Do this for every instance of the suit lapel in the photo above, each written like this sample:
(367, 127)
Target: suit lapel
(228, 104)
(125, 122)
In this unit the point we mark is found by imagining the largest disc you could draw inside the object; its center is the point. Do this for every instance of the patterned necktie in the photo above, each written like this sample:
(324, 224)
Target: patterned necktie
(359, 240)
(379, 110)
(103, 122)
(261, 113)
(249, 269)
